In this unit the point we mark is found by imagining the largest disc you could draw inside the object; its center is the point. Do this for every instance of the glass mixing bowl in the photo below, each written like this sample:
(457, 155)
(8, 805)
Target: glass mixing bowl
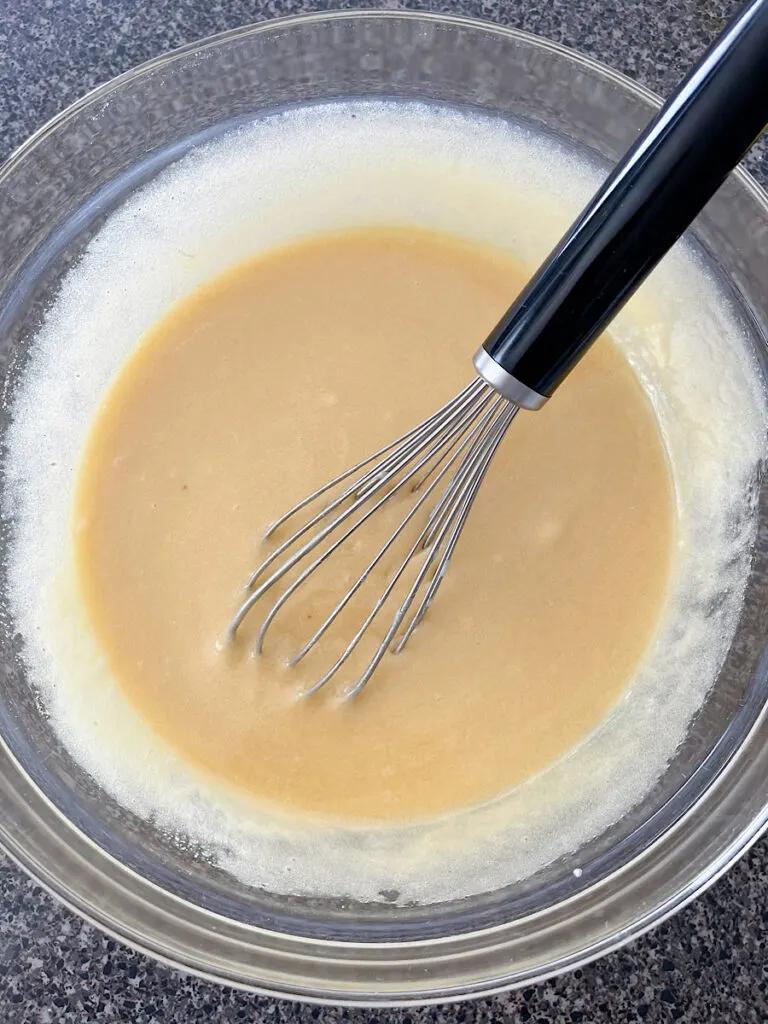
(163, 897)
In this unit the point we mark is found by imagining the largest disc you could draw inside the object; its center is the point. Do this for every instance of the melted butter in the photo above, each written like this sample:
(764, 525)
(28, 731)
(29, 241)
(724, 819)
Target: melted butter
(265, 383)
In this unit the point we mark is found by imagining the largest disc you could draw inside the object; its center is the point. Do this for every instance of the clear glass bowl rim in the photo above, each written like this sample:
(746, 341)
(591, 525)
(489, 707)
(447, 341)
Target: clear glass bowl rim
(679, 866)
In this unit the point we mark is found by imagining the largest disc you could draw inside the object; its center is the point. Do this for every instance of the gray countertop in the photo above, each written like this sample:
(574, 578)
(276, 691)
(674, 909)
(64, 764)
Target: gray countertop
(708, 963)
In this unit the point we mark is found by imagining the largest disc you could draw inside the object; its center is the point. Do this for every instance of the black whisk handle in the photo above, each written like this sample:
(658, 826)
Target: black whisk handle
(642, 209)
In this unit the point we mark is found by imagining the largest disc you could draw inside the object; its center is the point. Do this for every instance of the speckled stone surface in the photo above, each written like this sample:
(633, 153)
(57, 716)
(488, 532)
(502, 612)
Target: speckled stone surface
(709, 964)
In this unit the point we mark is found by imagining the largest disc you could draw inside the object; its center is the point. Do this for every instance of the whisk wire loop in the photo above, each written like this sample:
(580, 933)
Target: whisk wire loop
(461, 436)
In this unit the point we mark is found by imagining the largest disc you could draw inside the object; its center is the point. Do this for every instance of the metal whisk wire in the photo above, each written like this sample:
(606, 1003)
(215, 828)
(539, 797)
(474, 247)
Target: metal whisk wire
(461, 436)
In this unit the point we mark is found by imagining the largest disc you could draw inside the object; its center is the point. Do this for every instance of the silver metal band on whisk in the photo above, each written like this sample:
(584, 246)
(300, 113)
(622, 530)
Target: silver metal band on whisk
(507, 385)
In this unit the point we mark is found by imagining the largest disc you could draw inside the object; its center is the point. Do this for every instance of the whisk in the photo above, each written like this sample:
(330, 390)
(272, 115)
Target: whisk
(640, 211)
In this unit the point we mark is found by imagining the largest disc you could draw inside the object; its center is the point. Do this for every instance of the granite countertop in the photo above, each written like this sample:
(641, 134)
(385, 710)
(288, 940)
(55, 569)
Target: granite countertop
(708, 963)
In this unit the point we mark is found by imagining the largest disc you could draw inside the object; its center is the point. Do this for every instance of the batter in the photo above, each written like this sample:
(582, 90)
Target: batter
(266, 382)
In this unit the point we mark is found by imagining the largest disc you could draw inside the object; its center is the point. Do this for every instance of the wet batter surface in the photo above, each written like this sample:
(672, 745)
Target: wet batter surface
(267, 382)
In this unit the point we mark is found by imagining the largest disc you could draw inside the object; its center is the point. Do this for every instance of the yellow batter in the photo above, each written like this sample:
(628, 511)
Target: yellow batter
(267, 382)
